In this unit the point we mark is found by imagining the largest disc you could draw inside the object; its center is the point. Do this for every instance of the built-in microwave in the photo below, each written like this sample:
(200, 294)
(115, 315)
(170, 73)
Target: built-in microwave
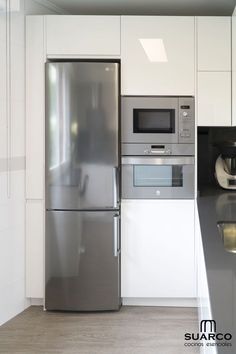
(166, 177)
(167, 120)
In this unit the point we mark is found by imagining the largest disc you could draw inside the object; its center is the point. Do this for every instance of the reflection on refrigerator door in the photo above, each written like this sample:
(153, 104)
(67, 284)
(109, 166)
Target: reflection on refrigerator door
(82, 264)
(81, 134)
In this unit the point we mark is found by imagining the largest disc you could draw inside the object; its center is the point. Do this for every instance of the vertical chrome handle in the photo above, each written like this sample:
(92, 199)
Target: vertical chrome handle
(116, 234)
(115, 187)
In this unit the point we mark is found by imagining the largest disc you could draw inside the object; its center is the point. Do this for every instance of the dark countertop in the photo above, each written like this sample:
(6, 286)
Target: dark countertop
(217, 205)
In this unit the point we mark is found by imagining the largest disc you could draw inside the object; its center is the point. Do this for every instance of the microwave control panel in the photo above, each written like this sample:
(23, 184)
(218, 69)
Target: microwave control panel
(186, 120)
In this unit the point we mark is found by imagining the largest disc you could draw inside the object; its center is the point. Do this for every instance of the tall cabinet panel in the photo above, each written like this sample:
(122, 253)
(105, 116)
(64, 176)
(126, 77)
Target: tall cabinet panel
(214, 43)
(214, 98)
(3, 101)
(214, 71)
(35, 111)
(157, 55)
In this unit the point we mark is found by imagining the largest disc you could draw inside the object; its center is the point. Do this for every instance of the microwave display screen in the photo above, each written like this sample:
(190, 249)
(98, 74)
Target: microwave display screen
(158, 176)
(160, 121)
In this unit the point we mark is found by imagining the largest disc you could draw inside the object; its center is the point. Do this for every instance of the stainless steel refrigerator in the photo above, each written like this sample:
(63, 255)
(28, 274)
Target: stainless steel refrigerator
(82, 241)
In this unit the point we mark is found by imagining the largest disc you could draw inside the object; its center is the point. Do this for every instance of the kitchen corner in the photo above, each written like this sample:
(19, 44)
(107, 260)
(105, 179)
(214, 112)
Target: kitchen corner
(118, 227)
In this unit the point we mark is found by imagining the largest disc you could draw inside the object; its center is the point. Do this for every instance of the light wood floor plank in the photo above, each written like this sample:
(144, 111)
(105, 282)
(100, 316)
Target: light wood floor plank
(133, 330)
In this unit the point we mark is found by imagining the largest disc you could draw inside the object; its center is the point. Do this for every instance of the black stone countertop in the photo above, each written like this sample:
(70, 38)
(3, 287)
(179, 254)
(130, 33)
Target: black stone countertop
(217, 205)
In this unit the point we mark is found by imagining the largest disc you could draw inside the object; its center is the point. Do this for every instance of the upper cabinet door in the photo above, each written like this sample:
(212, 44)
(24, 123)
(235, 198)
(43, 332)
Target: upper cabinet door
(157, 55)
(214, 43)
(83, 35)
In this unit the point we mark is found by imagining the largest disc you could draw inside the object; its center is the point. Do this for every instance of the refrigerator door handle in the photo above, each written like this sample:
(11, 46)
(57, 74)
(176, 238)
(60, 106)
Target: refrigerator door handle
(115, 187)
(116, 235)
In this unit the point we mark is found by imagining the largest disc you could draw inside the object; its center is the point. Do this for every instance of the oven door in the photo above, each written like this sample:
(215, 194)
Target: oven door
(158, 177)
(150, 119)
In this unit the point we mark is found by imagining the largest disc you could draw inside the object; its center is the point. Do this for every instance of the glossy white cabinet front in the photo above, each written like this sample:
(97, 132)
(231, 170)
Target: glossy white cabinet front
(157, 55)
(214, 71)
(214, 43)
(157, 249)
(214, 98)
(83, 35)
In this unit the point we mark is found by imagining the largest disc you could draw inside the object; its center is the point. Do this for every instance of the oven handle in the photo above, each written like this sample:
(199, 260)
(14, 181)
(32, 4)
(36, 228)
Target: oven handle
(168, 160)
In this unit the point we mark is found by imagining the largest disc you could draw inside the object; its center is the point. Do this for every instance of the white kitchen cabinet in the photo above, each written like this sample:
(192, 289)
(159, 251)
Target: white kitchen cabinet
(83, 35)
(3, 91)
(157, 55)
(214, 43)
(35, 249)
(35, 103)
(214, 99)
(157, 249)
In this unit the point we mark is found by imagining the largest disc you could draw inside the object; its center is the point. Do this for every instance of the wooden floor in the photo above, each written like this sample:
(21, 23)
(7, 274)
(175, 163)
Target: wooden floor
(133, 330)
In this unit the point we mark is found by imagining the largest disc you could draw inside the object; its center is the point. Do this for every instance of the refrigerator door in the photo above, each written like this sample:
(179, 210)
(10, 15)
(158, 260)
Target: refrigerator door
(82, 157)
(82, 261)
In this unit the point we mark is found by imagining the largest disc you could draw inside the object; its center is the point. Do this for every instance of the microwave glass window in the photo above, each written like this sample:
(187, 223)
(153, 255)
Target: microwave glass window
(158, 176)
(154, 121)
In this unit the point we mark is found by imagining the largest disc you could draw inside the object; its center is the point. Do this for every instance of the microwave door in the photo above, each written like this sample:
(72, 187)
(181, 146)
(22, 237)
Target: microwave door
(150, 119)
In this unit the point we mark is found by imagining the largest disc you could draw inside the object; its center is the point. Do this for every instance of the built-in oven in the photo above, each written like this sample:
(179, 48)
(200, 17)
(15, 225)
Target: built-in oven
(157, 120)
(149, 177)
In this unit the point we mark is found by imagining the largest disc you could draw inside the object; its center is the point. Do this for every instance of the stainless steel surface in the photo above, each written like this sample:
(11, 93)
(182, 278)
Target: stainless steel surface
(186, 120)
(146, 149)
(82, 273)
(158, 152)
(82, 258)
(82, 100)
(183, 128)
(183, 160)
(161, 178)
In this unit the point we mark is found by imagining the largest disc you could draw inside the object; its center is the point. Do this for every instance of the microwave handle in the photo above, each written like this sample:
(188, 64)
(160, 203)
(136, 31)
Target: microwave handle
(167, 160)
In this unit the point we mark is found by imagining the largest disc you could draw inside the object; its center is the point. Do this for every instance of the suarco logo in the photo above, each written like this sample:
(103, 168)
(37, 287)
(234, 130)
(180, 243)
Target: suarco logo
(208, 332)
(208, 336)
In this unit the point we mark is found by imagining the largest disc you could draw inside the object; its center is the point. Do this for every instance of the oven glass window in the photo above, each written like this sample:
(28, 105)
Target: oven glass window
(154, 121)
(158, 176)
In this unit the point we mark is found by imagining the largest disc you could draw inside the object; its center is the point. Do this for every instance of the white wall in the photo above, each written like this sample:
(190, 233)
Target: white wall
(12, 157)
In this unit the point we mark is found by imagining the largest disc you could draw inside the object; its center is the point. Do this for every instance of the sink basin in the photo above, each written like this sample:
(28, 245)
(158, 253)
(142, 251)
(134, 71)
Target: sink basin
(228, 234)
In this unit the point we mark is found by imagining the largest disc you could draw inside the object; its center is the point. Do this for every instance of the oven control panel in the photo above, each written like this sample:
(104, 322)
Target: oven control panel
(186, 120)
(157, 149)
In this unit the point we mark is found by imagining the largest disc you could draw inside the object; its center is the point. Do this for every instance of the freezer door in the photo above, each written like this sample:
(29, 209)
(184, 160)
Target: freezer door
(82, 261)
(82, 155)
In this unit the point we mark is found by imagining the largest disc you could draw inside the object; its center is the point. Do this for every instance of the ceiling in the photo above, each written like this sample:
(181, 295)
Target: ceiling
(148, 7)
